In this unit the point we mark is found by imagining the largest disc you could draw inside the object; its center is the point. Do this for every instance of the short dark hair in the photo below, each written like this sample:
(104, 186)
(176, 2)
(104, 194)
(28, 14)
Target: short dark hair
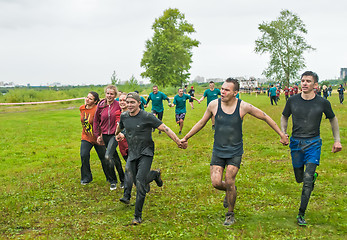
(96, 96)
(310, 73)
(235, 82)
(211, 81)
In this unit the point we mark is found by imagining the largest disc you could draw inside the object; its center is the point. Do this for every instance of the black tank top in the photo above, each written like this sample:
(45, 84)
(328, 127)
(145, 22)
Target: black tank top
(228, 133)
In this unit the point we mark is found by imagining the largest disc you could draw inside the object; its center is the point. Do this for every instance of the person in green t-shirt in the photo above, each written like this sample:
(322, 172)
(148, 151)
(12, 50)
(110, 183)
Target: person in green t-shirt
(180, 111)
(211, 94)
(143, 101)
(157, 98)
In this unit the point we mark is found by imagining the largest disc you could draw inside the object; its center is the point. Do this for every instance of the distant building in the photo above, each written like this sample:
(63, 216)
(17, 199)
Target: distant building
(215, 80)
(343, 73)
(251, 83)
(199, 79)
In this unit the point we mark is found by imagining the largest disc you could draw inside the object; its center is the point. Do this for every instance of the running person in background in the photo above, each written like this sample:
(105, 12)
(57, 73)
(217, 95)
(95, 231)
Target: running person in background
(157, 98)
(228, 144)
(295, 89)
(211, 94)
(123, 145)
(272, 94)
(88, 141)
(286, 92)
(291, 91)
(138, 125)
(105, 123)
(341, 90)
(191, 93)
(330, 89)
(305, 143)
(185, 89)
(278, 93)
(180, 111)
(143, 101)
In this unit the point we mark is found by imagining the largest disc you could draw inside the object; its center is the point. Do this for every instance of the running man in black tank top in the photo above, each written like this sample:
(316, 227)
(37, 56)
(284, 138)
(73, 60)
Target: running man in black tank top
(228, 146)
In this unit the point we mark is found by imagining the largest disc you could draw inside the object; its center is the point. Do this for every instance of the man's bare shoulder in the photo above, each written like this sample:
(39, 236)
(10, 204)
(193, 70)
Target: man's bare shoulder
(213, 104)
(245, 105)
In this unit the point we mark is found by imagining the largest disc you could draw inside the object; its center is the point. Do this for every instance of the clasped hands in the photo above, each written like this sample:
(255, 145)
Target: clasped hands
(182, 143)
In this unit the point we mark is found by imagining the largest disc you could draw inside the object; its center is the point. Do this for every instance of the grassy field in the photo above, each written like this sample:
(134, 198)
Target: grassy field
(41, 196)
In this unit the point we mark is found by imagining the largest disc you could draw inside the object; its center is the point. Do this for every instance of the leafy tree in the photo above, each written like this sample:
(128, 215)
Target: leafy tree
(132, 83)
(283, 39)
(168, 55)
(114, 79)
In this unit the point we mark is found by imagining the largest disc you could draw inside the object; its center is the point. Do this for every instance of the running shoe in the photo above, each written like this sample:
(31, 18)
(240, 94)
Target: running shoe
(229, 219)
(124, 200)
(136, 221)
(301, 221)
(158, 179)
(113, 186)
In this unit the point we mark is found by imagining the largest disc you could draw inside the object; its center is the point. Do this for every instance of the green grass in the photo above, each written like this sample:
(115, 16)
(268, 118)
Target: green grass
(41, 196)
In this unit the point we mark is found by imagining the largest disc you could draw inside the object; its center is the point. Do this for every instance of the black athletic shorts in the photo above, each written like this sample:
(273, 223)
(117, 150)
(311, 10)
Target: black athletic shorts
(158, 114)
(222, 162)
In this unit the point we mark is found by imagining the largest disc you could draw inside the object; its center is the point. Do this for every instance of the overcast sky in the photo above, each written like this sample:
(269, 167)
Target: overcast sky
(84, 41)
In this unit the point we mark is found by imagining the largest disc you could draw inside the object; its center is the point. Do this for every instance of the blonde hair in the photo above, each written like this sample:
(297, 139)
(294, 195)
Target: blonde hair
(122, 93)
(112, 87)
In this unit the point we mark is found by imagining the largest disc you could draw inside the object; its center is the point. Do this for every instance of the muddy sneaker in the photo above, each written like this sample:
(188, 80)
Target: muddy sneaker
(301, 221)
(136, 221)
(124, 200)
(113, 186)
(158, 179)
(229, 219)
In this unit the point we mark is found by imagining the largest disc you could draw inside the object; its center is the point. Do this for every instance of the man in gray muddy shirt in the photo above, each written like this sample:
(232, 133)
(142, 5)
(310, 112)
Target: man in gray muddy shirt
(138, 125)
(305, 143)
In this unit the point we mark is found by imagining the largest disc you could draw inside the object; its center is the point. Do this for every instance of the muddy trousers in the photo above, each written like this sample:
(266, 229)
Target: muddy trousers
(305, 176)
(138, 171)
(112, 157)
(86, 174)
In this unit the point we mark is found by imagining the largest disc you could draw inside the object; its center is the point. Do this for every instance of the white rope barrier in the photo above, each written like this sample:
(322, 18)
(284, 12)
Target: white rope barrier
(54, 101)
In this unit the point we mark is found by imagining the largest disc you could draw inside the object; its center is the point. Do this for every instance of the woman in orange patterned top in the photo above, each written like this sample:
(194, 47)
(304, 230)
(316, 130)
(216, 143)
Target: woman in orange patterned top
(88, 141)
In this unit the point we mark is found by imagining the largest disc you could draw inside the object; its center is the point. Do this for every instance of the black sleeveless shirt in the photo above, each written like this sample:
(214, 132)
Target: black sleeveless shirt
(228, 133)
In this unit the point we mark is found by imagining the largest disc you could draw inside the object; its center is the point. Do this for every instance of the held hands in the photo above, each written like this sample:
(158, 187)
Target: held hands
(120, 137)
(337, 147)
(99, 140)
(284, 139)
(183, 144)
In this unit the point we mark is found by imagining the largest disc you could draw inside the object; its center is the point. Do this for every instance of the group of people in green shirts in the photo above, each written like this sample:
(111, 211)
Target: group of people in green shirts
(226, 113)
